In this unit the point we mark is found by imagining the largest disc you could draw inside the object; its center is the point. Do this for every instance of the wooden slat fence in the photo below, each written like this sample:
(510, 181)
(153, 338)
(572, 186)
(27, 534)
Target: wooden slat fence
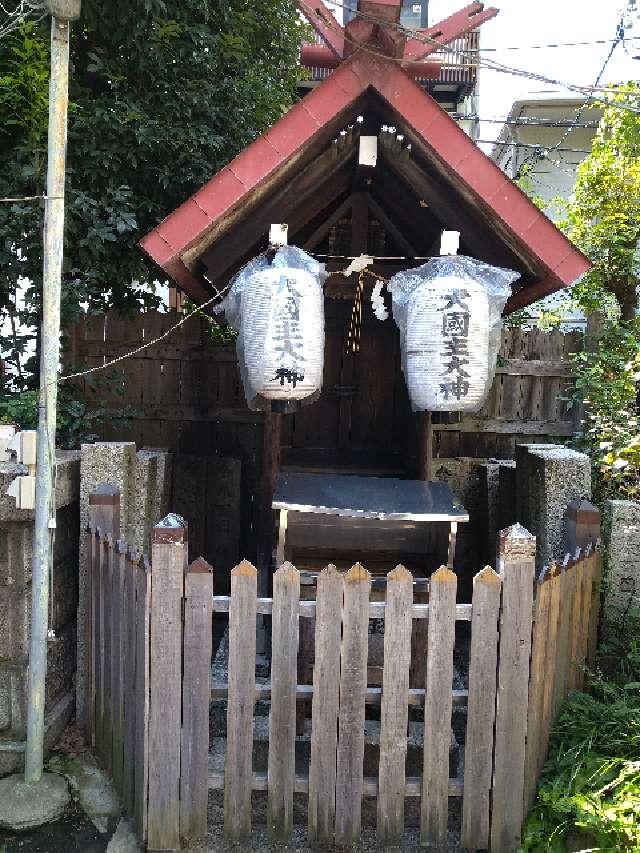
(149, 709)
(185, 393)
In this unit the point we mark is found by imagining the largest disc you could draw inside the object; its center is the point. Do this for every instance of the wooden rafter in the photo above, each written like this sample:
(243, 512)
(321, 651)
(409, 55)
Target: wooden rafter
(403, 244)
(323, 229)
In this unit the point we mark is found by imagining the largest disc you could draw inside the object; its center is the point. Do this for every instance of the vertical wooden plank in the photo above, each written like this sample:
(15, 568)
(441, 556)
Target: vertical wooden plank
(434, 806)
(537, 677)
(282, 717)
(584, 614)
(117, 594)
(143, 583)
(324, 708)
(564, 627)
(576, 620)
(107, 604)
(517, 550)
(98, 651)
(168, 559)
(551, 659)
(242, 680)
(594, 612)
(478, 754)
(91, 634)
(129, 680)
(395, 709)
(196, 695)
(353, 685)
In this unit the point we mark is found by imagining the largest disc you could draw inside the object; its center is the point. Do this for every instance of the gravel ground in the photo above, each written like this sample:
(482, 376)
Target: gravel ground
(215, 843)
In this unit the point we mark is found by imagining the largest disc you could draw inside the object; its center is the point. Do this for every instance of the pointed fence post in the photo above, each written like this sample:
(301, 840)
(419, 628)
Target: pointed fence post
(394, 711)
(282, 719)
(353, 686)
(325, 706)
(168, 559)
(242, 687)
(516, 561)
(438, 703)
(196, 695)
(478, 765)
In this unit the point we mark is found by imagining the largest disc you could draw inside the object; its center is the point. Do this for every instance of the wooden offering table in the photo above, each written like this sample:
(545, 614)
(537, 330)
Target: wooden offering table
(368, 513)
(378, 521)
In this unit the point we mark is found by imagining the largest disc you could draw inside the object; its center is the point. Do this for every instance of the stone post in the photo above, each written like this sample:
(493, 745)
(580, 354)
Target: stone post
(622, 542)
(548, 477)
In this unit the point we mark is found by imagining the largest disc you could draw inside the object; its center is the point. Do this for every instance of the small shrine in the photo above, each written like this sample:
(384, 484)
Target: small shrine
(370, 176)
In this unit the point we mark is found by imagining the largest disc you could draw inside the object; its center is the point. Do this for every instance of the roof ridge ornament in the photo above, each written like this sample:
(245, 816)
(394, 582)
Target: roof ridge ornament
(377, 22)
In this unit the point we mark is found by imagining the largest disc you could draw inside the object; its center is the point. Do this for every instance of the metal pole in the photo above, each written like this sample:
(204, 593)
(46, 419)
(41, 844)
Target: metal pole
(49, 357)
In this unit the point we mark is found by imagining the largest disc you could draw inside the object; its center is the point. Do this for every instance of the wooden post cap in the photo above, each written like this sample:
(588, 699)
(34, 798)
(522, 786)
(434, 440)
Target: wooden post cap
(200, 567)
(104, 495)
(516, 544)
(172, 528)
(582, 510)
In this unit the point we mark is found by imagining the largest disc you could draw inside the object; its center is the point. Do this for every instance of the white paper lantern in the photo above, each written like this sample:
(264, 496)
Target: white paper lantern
(282, 334)
(447, 340)
(449, 315)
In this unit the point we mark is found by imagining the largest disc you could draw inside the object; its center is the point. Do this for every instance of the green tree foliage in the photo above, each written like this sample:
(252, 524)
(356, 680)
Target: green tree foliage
(603, 214)
(163, 94)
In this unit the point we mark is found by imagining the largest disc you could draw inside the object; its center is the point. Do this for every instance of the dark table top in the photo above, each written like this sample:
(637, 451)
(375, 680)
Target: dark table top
(368, 497)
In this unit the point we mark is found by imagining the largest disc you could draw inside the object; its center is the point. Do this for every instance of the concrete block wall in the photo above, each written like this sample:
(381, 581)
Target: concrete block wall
(143, 479)
(16, 534)
(622, 542)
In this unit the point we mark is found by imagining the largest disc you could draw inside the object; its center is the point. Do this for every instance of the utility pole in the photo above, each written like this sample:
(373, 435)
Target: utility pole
(62, 11)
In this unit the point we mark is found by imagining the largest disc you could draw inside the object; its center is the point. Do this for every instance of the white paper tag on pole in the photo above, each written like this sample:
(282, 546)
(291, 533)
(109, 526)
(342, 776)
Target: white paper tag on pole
(278, 234)
(368, 151)
(449, 242)
(358, 264)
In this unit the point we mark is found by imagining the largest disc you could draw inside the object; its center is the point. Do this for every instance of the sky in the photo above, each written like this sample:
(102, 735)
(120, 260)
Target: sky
(543, 22)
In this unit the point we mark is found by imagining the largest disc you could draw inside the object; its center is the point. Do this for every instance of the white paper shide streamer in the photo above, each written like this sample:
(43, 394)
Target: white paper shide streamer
(449, 315)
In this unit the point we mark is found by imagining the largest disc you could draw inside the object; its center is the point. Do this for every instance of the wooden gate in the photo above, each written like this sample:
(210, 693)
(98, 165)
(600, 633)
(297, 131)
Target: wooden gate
(149, 632)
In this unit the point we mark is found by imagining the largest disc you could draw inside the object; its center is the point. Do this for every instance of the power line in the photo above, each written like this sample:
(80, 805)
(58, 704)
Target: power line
(536, 145)
(550, 45)
(578, 115)
(524, 121)
(14, 17)
(488, 64)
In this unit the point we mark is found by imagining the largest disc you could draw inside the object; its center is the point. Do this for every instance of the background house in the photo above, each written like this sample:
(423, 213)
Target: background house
(551, 136)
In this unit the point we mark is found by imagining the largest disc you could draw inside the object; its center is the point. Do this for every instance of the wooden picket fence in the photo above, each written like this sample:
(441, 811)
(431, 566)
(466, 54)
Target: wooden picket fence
(148, 707)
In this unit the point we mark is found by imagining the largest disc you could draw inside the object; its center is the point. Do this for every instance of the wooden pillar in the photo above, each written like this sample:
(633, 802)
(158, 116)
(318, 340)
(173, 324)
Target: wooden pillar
(424, 442)
(270, 472)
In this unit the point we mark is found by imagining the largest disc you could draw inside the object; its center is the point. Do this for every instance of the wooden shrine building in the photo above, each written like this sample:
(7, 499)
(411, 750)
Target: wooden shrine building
(366, 163)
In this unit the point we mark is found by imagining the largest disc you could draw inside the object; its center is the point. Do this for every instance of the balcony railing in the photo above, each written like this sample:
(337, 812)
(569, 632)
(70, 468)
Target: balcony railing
(459, 66)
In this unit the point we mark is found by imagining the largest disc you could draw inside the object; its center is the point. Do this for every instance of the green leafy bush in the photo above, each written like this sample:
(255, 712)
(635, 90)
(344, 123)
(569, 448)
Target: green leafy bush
(75, 422)
(589, 795)
(607, 382)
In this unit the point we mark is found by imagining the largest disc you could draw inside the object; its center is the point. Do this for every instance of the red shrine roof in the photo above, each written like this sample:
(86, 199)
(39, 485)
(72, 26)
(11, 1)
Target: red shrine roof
(295, 172)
